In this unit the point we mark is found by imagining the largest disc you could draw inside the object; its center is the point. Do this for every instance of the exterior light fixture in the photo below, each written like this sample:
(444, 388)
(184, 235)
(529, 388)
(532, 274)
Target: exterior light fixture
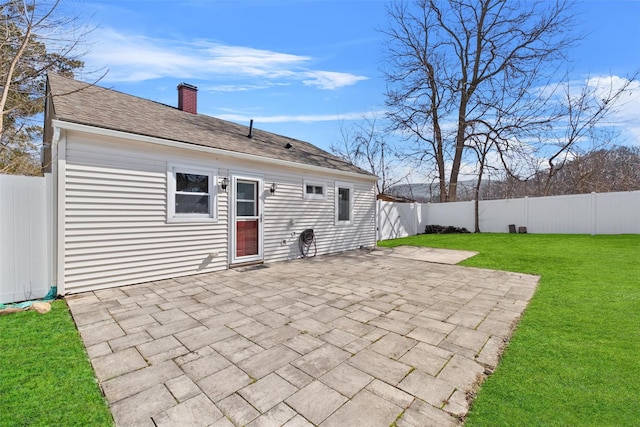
(224, 184)
(273, 188)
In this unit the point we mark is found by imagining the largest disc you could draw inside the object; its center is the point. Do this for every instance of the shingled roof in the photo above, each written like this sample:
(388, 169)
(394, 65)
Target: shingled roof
(82, 103)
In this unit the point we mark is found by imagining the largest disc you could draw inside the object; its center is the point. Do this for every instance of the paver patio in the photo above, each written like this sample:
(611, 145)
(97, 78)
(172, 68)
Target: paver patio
(349, 339)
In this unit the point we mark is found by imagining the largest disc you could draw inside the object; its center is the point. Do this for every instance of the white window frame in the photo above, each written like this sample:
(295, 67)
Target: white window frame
(212, 174)
(306, 195)
(348, 186)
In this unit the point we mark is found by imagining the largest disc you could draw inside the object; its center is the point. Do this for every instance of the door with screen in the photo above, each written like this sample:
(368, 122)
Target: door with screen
(247, 220)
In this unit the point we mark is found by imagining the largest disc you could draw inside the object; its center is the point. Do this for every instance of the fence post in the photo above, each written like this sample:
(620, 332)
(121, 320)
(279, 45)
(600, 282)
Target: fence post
(378, 231)
(526, 212)
(49, 207)
(594, 203)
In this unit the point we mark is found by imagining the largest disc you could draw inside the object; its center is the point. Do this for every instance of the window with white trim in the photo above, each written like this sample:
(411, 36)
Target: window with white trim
(344, 203)
(314, 190)
(191, 194)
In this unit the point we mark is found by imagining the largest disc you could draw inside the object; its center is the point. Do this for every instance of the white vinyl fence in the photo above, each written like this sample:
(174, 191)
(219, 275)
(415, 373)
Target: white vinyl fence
(595, 213)
(25, 235)
(399, 219)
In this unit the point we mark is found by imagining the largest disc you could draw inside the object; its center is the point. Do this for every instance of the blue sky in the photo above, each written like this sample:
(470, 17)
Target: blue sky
(301, 67)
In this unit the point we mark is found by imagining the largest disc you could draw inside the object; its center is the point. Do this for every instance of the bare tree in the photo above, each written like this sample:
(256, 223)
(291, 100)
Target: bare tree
(584, 108)
(366, 146)
(449, 60)
(35, 39)
(565, 121)
(614, 168)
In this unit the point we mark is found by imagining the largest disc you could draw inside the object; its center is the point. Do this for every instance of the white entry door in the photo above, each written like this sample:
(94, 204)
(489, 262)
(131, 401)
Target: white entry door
(246, 220)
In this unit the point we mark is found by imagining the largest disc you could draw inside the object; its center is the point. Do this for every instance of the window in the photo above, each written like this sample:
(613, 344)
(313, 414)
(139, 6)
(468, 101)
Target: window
(191, 194)
(344, 203)
(313, 190)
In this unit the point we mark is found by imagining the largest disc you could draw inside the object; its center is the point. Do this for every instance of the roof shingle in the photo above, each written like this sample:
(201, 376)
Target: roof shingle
(82, 103)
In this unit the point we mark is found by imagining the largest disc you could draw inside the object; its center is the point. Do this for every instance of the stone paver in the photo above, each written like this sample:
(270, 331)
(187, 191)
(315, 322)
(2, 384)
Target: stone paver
(198, 411)
(346, 379)
(276, 416)
(204, 366)
(366, 410)
(381, 367)
(267, 392)
(268, 361)
(316, 402)
(115, 364)
(139, 408)
(422, 357)
(135, 382)
(421, 414)
(352, 339)
(321, 360)
(393, 345)
(182, 388)
(428, 388)
(238, 410)
(223, 383)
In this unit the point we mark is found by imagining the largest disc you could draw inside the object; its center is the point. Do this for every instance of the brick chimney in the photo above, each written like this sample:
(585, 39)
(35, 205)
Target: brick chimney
(188, 98)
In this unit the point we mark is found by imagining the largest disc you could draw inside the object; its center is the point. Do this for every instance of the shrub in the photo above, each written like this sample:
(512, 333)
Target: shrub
(441, 229)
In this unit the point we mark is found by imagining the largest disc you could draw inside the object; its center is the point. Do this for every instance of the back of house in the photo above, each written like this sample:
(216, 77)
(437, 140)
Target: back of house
(145, 191)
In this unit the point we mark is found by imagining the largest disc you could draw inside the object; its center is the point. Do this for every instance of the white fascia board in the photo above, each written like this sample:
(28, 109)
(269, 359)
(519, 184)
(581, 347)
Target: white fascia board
(194, 147)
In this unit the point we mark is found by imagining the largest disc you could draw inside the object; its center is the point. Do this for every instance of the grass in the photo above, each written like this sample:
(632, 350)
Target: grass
(45, 376)
(574, 359)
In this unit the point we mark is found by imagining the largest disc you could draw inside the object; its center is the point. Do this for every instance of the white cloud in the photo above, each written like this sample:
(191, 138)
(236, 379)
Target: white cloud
(241, 87)
(331, 80)
(304, 118)
(132, 57)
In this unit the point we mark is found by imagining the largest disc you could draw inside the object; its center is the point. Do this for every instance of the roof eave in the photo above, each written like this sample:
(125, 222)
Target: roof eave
(78, 127)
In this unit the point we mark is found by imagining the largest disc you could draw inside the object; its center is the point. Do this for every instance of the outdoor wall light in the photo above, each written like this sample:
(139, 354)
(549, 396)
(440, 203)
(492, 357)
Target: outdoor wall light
(273, 188)
(224, 184)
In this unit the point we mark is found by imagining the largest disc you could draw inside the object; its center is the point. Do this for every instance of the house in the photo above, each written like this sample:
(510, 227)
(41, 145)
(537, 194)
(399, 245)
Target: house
(145, 191)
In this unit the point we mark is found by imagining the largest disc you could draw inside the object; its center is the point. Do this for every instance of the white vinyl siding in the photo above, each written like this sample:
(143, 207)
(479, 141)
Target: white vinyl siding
(116, 230)
(281, 236)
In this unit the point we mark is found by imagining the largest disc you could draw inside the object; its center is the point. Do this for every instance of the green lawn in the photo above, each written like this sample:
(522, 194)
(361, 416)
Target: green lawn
(45, 376)
(574, 359)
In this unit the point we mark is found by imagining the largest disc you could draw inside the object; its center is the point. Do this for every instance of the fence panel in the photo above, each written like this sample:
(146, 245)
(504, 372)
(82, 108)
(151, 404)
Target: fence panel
(397, 219)
(495, 216)
(458, 214)
(617, 213)
(560, 214)
(24, 248)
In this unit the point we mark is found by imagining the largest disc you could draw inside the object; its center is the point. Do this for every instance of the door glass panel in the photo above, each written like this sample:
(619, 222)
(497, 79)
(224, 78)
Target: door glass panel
(246, 208)
(246, 190)
(246, 203)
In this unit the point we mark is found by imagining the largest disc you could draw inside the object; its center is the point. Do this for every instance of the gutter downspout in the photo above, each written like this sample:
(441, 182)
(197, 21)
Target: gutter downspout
(58, 169)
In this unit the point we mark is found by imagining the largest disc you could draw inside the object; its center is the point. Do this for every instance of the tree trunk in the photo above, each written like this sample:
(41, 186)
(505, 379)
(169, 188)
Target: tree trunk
(460, 139)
